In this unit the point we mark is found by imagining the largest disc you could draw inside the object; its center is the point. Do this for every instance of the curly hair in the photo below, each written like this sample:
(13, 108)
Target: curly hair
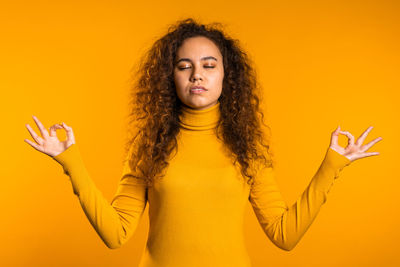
(155, 107)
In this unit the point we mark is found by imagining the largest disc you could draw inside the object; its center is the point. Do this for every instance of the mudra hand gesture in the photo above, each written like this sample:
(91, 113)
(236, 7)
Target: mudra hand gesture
(353, 151)
(49, 143)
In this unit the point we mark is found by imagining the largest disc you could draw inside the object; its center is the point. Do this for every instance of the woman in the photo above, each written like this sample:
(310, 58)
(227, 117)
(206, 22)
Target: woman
(196, 94)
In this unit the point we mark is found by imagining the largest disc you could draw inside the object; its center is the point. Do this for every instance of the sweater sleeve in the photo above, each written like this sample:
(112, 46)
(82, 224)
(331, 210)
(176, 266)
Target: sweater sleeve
(114, 222)
(285, 225)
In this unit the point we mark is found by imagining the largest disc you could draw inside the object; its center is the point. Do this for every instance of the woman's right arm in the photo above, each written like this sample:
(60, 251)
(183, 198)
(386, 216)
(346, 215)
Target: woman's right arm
(114, 222)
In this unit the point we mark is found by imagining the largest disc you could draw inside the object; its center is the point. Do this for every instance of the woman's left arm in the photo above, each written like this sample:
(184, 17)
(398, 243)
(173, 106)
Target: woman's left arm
(285, 225)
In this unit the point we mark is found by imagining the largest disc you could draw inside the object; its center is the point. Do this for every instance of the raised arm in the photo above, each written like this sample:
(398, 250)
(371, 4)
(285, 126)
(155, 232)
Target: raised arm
(285, 225)
(115, 222)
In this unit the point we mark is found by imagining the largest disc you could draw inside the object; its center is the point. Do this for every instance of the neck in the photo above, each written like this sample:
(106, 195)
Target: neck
(200, 120)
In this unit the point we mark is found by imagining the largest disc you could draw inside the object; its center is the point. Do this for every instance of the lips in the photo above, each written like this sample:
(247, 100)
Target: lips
(198, 87)
(197, 90)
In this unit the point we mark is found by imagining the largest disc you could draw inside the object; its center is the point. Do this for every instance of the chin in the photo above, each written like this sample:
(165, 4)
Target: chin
(200, 105)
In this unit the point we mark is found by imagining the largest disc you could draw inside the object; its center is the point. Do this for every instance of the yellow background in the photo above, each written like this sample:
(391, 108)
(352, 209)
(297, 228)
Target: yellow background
(321, 63)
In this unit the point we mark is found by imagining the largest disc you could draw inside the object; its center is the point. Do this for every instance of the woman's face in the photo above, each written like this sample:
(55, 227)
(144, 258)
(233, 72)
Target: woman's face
(198, 63)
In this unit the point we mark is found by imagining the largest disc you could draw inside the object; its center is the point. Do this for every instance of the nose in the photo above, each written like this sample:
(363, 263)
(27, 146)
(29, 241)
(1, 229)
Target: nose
(196, 76)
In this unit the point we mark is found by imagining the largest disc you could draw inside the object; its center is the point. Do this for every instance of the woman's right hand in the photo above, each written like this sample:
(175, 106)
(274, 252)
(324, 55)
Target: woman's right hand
(49, 143)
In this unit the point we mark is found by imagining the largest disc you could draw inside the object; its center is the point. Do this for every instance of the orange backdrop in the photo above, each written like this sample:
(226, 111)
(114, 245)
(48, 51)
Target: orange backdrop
(321, 63)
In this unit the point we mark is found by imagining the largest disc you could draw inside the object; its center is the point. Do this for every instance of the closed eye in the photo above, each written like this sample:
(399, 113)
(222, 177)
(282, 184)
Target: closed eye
(208, 67)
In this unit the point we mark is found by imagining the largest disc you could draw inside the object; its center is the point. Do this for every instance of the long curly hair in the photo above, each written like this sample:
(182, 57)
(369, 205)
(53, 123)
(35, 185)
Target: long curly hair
(155, 106)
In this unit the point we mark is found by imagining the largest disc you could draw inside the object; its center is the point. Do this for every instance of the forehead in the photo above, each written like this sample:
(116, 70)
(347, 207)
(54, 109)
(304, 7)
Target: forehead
(197, 47)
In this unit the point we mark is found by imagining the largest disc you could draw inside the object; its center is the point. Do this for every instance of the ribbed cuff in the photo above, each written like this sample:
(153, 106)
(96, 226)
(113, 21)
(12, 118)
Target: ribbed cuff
(73, 166)
(336, 161)
(329, 170)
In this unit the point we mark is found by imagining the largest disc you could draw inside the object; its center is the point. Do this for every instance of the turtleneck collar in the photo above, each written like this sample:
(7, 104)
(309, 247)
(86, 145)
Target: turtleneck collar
(200, 120)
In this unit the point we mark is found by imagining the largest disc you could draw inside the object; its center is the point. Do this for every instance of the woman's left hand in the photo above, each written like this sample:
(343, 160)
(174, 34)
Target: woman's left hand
(356, 150)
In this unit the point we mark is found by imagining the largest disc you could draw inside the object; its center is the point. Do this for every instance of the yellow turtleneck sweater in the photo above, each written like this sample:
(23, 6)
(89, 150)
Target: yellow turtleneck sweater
(196, 210)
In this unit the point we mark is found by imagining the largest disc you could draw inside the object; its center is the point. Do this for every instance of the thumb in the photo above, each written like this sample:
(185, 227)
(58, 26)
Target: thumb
(70, 134)
(65, 125)
(335, 136)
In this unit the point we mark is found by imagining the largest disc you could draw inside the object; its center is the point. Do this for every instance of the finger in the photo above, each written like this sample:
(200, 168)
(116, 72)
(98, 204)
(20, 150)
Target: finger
(370, 144)
(335, 136)
(35, 137)
(42, 129)
(53, 130)
(362, 137)
(349, 135)
(35, 146)
(70, 133)
(369, 154)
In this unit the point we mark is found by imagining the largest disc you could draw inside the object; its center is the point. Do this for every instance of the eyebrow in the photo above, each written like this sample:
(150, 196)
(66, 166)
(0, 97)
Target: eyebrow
(203, 58)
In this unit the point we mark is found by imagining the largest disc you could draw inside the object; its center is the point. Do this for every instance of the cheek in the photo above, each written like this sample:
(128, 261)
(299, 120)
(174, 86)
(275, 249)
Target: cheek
(218, 77)
(179, 84)
(177, 80)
